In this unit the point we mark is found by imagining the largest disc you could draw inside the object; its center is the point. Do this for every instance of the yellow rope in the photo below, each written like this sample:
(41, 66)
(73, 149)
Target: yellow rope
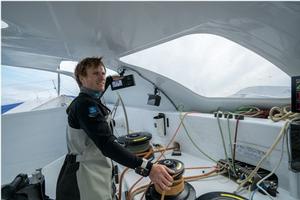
(176, 188)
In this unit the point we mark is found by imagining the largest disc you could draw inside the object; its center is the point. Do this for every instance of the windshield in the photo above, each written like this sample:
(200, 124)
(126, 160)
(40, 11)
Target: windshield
(214, 66)
(24, 84)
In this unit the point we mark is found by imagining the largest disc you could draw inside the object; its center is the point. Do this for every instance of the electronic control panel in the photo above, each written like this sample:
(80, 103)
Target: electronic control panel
(296, 94)
(294, 140)
(240, 171)
(122, 82)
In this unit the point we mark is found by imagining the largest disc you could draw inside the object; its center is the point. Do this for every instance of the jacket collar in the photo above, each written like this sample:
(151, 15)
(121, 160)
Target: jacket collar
(93, 93)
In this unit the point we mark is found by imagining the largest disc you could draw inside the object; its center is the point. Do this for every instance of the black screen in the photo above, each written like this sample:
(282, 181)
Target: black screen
(295, 146)
(117, 83)
(122, 82)
(296, 94)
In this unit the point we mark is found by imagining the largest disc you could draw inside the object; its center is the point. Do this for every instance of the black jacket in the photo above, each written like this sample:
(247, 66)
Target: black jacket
(89, 114)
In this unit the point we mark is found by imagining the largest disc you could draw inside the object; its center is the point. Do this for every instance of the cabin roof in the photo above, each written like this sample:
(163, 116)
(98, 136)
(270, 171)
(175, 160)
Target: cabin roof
(41, 34)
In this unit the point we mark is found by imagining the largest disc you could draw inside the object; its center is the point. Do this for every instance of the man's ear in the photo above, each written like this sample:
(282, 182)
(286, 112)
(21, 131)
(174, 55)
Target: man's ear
(81, 78)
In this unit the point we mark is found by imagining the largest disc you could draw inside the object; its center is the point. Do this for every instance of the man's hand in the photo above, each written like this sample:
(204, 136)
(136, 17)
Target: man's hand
(160, 176)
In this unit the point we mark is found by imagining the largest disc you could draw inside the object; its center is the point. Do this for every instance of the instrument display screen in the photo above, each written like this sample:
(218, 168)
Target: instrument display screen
(296, 94)
(123, 82)
(294, 138)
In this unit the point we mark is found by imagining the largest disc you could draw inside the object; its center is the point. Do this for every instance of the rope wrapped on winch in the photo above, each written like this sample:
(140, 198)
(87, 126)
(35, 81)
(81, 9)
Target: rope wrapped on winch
(137, 142)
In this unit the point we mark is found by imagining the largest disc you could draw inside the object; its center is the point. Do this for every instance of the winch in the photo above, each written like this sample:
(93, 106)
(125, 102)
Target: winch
(180, 190)
(138, 142)
(220, 196)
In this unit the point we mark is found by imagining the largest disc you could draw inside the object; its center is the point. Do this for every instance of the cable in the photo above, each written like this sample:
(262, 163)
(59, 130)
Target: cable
(195, 145)
(277, 114)
(192, 168)
(171, 141)
(121, 181)
(140, 189)
(230, 142)
(280, 160)
(166, 148)
(114, 111)
(144, 188)
(223, 141)
(272, 172)
(251, 111)
(252, 194)
(235, 139)
(131, 188)
(145, 155)
(125, 113)
(200, 176)
(129, 191)
(173, 137)
(155, 151)
(177, 187)
(281, 134)
(155, 86)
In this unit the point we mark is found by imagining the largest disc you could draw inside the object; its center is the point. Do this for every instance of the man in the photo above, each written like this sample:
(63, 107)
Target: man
(87, 170)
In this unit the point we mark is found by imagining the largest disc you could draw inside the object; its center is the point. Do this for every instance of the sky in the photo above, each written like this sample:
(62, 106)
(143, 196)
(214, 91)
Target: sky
(210, 65)
(22, 84)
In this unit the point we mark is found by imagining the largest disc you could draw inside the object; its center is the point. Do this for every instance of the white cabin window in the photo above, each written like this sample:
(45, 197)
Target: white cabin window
(3, 24)
(18, 85)
(214, 66)
(25, 89)
(69, 66)
(68, 86)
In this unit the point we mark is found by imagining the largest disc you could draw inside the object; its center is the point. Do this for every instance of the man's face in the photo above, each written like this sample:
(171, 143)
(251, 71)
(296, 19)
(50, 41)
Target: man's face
(94, 79)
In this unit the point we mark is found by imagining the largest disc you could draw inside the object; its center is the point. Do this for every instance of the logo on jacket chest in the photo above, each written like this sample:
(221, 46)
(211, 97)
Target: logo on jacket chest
(93, 111)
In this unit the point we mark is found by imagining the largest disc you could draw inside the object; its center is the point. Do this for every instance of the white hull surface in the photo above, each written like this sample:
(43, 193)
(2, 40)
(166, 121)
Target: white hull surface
(43, 144)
